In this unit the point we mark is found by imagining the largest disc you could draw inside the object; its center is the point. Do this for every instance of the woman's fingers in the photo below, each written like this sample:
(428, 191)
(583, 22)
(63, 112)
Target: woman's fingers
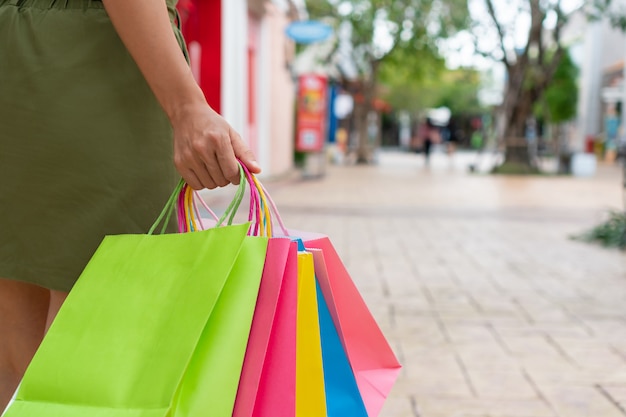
(192, 179)
(195, 174)
(228, 164)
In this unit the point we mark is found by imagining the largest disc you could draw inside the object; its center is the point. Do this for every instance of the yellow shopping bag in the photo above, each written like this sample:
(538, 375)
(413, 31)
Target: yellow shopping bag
(310, 396)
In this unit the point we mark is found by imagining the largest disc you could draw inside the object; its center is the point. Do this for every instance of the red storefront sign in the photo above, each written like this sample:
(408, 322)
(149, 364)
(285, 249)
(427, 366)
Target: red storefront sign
(312, 110)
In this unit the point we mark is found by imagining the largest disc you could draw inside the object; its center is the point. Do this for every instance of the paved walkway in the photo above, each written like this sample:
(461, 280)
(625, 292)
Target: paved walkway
(492, 309)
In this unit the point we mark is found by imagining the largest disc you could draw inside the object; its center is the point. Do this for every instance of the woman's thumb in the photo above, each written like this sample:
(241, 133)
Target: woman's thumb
(243, 153)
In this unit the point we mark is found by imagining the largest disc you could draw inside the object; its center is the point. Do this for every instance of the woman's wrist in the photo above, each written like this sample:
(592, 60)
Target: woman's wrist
(180, 106)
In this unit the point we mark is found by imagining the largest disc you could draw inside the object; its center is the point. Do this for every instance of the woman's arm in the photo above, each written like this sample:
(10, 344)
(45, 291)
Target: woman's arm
(205, 146)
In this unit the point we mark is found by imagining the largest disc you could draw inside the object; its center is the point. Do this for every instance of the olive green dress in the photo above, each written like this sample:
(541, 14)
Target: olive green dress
(85, 148)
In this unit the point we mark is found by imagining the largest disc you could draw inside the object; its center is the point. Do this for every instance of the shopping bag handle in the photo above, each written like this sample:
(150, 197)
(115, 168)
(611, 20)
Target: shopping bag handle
(189, 216)
(187, 198)
(181, 190)
(166, 213)
(268, 206)
(261, 214)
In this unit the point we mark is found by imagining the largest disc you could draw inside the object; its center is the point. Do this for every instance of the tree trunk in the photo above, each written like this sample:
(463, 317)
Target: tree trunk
(624, 181)
(364, 152)
(517, 110)
(516, 146)
(360, 120)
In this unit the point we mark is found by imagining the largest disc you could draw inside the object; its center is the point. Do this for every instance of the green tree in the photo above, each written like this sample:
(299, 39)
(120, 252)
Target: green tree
(531, 66)
(562, 94)
(559, 105)
(429, 85)
(379, 28)
(458, 90)
(409, 79)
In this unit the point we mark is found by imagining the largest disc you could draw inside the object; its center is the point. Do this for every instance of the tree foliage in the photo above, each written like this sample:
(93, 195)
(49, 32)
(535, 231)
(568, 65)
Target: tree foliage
(458, 91)
(415, 83)
(526, 36)
(562, 94)
(408, 79)
(615, 11)
(378, 27)
(389, 31)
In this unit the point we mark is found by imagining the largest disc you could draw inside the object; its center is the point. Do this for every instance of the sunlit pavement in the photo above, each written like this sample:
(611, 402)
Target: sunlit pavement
(490, 306)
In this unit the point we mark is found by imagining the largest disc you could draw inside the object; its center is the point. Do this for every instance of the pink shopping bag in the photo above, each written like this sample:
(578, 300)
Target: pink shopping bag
(267, 386)
(373, 362)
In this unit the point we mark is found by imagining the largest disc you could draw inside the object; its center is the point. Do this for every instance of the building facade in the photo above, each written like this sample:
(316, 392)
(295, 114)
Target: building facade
(598, 49)
(242, 59)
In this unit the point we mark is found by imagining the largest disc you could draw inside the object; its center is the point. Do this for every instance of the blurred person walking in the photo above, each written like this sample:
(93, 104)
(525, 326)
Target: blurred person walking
(451, 136)
(98, 106)
(428, 134)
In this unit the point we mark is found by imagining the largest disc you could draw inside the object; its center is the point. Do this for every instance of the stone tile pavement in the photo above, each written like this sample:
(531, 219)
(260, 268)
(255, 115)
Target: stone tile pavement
(492, 309)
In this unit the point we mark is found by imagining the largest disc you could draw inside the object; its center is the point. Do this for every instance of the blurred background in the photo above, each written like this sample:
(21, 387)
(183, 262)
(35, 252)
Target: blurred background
(467, 158)
(527, 79)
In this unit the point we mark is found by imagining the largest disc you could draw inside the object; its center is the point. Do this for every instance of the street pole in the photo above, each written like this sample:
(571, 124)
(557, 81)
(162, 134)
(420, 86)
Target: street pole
(621, 145)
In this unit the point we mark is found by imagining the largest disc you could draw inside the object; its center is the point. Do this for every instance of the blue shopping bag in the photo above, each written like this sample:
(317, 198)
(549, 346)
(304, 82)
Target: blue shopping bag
(342, 393)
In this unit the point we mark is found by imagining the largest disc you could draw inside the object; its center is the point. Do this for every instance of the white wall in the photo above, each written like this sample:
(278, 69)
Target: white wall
(602, 47)
(281, 89)
(264, 98)
(275, 93)
(234, 64)
(589, 86)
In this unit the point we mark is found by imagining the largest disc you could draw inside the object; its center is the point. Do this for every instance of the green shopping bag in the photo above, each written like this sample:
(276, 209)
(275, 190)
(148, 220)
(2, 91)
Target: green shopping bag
(156, 326)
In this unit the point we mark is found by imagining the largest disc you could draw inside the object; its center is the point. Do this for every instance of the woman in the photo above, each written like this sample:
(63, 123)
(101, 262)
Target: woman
(96, 101)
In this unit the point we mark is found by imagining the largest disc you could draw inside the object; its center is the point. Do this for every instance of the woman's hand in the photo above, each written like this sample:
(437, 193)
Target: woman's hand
(206, 148)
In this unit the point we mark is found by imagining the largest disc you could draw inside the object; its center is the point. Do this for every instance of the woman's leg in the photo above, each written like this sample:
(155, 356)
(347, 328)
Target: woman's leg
(56, 300)
(23, 314)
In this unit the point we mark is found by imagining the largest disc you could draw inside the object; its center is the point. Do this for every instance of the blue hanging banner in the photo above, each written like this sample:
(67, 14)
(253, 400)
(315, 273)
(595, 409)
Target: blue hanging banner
(308, 31)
